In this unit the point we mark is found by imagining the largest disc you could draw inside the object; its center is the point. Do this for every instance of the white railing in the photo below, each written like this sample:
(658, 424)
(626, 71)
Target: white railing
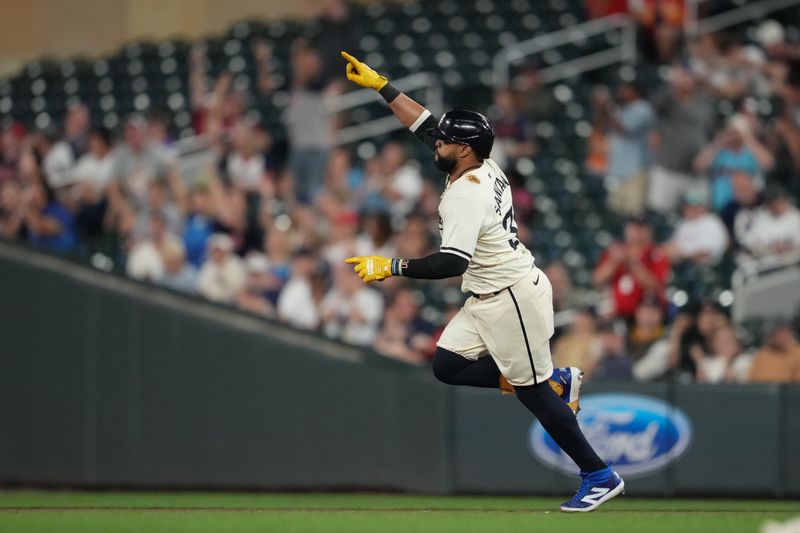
(749, 11)
(767, 286)
(425, 81)
(625, 51)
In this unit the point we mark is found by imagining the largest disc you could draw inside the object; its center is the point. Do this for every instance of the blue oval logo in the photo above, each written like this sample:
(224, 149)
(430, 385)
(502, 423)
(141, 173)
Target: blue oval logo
(638, 434)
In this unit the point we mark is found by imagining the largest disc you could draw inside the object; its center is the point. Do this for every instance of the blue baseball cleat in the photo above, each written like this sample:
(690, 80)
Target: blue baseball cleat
(566, 382)
(595, 490)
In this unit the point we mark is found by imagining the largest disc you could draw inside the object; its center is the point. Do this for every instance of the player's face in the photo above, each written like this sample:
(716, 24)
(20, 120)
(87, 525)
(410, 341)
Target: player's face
(445, 155)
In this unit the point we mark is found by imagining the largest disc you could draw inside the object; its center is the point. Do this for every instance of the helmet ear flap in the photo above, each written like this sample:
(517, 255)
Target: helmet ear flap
(483, 147)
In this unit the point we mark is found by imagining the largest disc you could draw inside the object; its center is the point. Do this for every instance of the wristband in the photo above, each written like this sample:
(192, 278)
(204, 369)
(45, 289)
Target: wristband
(398, 265)
(389, 93)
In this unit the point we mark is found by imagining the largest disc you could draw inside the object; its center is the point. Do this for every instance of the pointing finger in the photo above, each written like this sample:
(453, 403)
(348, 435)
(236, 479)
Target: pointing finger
(350, 58)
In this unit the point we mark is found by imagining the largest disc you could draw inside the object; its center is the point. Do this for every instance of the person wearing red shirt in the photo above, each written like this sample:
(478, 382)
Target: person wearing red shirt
(632, 269)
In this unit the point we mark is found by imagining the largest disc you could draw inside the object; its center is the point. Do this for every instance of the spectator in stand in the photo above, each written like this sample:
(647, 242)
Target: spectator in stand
(246, 165)
(661, 26)
(403, 335)
(278, 249)
(342, 237)
(12, 210)
(178, 274)
(401, 180)
(146, 261)
(12, 137)
(49, 225)
(735, 148)
(56, 156)
(158, 204)
(693, 335)
(137, 162)
(746, 200)
(577, 346)
(535, 99)
(779, 360)
(613, 361)
(647, 327)
(521, 198)
(684, 124)
(350, 310)
(414, 240)
(376, 237)
(307, 226)
(342, 186)
(265, 66)
(700, 237)
(308, 125)
(215, 110)
(773, 229)
(783, 140)
(158, 123)
(258, 292)
(629, 155)
(632, 268)
(76, 128)
(741, 70)
(334, 29)
(515, 136)
(93, 174)
(201, 223)
(727, 362)
(223, 274)
(654, 364)
(298, 303)
(564, 296)
(597, 152)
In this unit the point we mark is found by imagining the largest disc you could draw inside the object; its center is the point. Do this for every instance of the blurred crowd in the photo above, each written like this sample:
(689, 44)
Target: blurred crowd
(266, 231)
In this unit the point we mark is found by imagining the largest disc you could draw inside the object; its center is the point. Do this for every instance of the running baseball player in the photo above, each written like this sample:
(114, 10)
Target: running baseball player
(501, 336)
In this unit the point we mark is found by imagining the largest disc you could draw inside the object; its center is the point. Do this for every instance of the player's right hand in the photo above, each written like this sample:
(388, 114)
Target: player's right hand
(361, 74)
(371, 268)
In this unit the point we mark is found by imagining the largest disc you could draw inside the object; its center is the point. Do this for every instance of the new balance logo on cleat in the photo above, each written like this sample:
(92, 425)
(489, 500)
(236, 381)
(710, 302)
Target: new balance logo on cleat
(595, 496)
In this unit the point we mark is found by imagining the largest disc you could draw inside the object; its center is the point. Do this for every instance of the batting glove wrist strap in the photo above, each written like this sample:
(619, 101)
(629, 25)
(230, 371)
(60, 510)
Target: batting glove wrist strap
(397, 266)
(389, 93)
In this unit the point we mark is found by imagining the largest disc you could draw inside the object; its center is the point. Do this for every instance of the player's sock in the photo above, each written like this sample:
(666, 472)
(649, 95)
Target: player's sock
(453, 369)
(560, 423)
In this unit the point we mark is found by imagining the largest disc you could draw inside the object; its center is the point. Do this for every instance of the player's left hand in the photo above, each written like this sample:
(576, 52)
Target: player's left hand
(372, 267)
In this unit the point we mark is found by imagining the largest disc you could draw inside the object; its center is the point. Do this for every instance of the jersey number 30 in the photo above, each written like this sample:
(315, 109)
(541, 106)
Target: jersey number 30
(511, 226)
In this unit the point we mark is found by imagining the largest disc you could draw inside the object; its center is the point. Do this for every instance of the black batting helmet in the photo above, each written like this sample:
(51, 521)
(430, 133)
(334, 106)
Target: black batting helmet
(465, 127)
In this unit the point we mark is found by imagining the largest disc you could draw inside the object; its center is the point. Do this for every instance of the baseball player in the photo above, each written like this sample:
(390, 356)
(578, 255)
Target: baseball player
(501, 336)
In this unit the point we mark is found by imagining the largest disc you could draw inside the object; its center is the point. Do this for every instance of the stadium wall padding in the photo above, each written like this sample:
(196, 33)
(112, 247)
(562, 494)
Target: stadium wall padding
(108, 382)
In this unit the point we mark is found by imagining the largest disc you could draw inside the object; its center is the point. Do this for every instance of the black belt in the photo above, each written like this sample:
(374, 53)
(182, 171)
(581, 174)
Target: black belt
(485, 296)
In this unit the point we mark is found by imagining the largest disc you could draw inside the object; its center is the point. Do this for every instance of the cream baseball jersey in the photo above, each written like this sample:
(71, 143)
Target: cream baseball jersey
(476, 222)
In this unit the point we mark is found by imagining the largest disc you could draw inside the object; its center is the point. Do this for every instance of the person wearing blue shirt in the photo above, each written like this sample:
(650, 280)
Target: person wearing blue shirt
(734, 149)
(50, 226)
(629, 150)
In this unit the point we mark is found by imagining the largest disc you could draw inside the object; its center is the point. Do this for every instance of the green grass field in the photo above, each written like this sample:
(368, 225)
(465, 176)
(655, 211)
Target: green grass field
(67, 512)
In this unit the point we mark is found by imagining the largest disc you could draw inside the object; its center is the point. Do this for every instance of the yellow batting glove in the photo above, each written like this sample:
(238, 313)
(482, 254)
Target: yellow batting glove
(373, 267)
(361, 74)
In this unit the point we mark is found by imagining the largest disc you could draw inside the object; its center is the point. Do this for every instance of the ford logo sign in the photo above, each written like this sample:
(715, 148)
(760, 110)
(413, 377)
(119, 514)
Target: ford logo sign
(638, 434)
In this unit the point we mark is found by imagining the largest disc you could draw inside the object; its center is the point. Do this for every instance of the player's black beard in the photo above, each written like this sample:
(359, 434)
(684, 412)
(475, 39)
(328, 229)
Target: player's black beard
(443, 163)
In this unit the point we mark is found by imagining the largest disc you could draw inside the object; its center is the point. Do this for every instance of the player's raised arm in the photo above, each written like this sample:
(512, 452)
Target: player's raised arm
(410, 113)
